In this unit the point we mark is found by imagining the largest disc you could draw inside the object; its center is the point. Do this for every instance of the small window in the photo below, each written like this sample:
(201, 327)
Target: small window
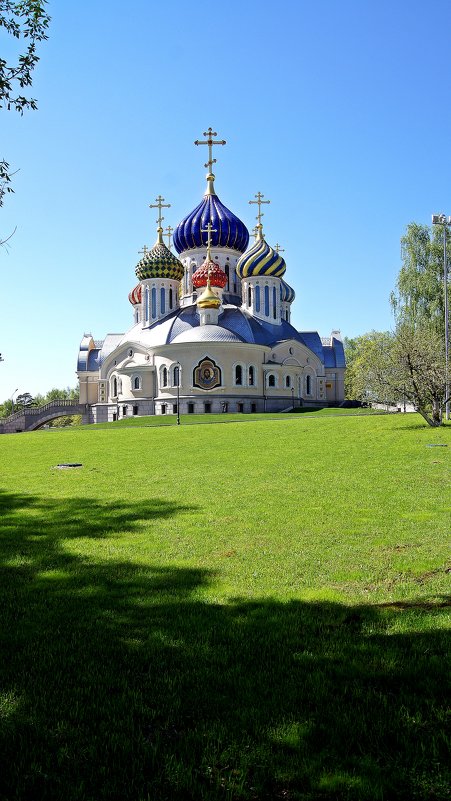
(162, 300)
(163, 408)
(240, 407)
(253, 408)
(190, 408)
(171, 298)
(114, 417)
(251, 376)
(308, 385)
(287, 381)
(271, 380)
(207, 407)
(135, 410)
(124, 411)
(266, 301)
(154, 302)
(174, 408)
(274, 302)
(238, 375)
(224, 406)
(257, 298)
(249, 296)
(164, 377)
(176, 376)
(137, 382)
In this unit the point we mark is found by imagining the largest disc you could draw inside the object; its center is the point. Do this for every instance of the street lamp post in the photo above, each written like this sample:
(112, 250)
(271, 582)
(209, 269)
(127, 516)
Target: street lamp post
(178, 366)
(12, 401)
(441, 219)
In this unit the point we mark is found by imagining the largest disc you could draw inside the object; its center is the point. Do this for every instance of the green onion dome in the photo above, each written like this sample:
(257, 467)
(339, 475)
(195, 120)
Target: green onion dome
(159, 262)
(260, 260)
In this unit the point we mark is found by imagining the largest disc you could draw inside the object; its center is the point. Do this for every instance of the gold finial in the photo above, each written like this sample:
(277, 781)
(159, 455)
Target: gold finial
(208, 299)
(144, 251)
(209, 230)
(159, 205)
(168, 233)
(279, 248)
(259, 202)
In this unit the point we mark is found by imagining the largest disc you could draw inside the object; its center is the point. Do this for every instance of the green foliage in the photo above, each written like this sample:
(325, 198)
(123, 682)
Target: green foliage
(22, 19)
(272, 627)
(419, 296)
(371, 373)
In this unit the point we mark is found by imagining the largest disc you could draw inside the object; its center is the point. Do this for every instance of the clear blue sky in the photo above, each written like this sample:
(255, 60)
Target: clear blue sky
(337, 111)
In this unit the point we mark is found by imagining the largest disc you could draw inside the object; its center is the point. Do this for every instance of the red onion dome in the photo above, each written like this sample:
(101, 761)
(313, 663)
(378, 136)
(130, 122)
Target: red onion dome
(135, 295)
(218, 277)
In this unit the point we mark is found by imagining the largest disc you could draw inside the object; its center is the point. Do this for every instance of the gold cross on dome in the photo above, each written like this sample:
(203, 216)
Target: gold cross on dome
(259, 202)
(159, 205)
(279, 248)
(169, 231)
(209, 230)
(210, 142)
(144, 250)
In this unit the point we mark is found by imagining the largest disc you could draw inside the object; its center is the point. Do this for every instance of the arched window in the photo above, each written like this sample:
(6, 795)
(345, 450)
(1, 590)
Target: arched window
(162, 300)
(227, 274)
(274, 302)
(286, 315)
(238, 375)
(308, 385)
(147, 303)
(251, 376)
(249, 296)
(137, 382)
(271, 380)
(164, 377)
(257, 298)
(114, 387)
(119, 385)
(154, 302)
(267, 301)
(287, 381)
(171, 299)
(176, 381)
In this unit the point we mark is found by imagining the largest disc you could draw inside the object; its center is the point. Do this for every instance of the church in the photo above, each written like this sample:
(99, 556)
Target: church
(211, 330)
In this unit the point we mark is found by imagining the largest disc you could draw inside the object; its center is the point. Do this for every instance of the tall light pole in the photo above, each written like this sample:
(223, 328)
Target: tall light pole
(178, 368)
(441, 219)
(12, 401)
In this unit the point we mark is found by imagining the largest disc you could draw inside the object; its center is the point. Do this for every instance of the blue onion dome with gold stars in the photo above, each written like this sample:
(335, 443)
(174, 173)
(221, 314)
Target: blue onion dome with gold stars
(260, 260)
(227, 230)
(159, 262)
(287, 293)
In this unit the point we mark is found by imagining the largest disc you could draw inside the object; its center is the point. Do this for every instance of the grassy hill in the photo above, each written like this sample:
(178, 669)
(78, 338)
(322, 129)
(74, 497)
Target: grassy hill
(256, 610)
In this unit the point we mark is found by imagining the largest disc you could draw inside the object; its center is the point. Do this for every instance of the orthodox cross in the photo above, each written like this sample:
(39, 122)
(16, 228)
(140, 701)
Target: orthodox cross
(259, 202)
(169, 231)
(144, 250)
(159, 205)
(209, 230)
(279, 248)
(210, 142)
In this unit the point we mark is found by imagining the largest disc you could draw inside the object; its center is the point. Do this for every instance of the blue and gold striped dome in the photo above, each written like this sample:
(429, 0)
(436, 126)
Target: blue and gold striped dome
(227, 230)
(159, 262)
(287, 293)
(260, 259)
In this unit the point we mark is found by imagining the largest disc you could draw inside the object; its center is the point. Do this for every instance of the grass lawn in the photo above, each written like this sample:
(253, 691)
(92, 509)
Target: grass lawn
(227, 612)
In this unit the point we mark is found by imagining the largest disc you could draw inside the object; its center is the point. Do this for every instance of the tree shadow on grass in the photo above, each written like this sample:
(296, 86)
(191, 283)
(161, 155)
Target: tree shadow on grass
(119, 683)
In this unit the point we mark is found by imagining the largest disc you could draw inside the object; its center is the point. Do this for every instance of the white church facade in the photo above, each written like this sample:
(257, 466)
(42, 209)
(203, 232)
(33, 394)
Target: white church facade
(211, 328)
